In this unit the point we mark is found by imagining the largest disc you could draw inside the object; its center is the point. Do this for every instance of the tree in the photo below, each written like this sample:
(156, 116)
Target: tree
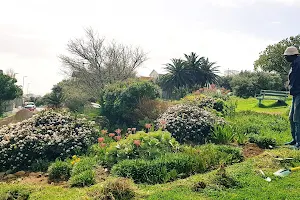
(75, 96)
(96, 63)
(185, 75)
(224, 81)
(272, 59)
(178, 75)
(247, 84)
(120, 100)
(193, 63)
(209, 71)
(56, 97)
(8, 90)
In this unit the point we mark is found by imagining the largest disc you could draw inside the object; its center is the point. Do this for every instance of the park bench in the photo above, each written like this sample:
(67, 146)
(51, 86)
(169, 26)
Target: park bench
(272, 95)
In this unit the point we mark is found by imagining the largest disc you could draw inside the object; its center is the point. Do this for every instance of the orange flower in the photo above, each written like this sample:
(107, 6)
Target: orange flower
(148, 126)
(137, 143)
(111, 135)
(102, 145)
(104, 132)
(118, 131)
(101, 139)
(117, 138)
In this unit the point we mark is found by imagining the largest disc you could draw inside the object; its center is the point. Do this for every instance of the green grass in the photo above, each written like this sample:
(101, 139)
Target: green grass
(274, 126)
(253, 186)
(43, 192)
(268, 106)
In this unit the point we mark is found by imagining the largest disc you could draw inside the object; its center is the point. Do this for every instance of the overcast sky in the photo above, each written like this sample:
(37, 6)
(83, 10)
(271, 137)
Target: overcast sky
(231, 32)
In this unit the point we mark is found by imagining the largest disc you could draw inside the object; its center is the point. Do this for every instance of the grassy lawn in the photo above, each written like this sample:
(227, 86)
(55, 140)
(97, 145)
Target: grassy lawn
(268, 106)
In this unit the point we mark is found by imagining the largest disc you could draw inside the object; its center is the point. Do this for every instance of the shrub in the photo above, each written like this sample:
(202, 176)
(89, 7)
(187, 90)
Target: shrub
(205, 102)
(84, 164)
(247, 84)
(59, 171)
(39, 165)
(263, 141)
(83, 172)
(189, 123)
(219, 105)
(160, 170)
(213, 155)
(223, 134)
(18, 193)
(48, 135)
(85, 178)
(114, 188)
(177, 165)
(150, 109)
(119, 100)
(141, 145)
(120, 188)
(214, 92)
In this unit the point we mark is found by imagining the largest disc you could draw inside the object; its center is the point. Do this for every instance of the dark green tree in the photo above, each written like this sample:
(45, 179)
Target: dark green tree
(178, 75)
(247, 84)
(210, 72)
(56, 97)
(272, 59)
(8, 90)
(186, 75)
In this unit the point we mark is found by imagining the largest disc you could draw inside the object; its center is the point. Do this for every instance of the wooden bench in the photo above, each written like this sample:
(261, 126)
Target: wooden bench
(272, 95)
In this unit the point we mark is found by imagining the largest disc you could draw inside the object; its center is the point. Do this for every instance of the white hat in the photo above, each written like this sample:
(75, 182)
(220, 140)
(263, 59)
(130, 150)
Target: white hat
(290, 51)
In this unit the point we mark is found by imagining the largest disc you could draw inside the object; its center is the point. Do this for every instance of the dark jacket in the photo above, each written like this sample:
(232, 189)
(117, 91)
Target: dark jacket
(294, 77)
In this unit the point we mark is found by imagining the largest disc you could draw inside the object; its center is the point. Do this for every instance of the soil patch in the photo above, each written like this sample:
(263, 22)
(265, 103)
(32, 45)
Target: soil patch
(251, 150)
(30, 178)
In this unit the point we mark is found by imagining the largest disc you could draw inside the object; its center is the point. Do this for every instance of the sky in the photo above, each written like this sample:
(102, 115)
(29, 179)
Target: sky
(230, 32)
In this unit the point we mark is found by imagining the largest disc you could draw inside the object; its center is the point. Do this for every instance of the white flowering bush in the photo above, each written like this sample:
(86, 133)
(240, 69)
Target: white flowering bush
(48, 135)
(188, 123)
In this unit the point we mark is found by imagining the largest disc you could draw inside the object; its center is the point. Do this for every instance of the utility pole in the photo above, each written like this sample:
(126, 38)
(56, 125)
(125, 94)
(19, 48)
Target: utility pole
(28, 88)
(23, 84)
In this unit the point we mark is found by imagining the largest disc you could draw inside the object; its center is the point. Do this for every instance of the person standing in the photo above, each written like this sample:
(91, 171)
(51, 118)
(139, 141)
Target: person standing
(291, 55)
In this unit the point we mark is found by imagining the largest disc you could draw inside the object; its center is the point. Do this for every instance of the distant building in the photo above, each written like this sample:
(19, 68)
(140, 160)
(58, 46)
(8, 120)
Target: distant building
(154, 75)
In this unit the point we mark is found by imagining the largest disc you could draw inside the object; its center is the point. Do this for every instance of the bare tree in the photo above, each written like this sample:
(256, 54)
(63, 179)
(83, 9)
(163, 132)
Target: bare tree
(96, 63)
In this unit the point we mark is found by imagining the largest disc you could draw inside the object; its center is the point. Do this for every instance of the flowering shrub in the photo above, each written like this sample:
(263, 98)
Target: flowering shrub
(48, 135)
(205, 102)
(213, 91)
(189, 123)
(141, 145)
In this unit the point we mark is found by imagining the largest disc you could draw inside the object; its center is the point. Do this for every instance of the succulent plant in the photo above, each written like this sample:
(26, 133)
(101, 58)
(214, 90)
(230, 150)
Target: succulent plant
(47, 135)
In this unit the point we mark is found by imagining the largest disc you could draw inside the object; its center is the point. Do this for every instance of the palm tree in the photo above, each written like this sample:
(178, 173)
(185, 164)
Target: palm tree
(193, 62)
(209, 71)
(177, 76)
